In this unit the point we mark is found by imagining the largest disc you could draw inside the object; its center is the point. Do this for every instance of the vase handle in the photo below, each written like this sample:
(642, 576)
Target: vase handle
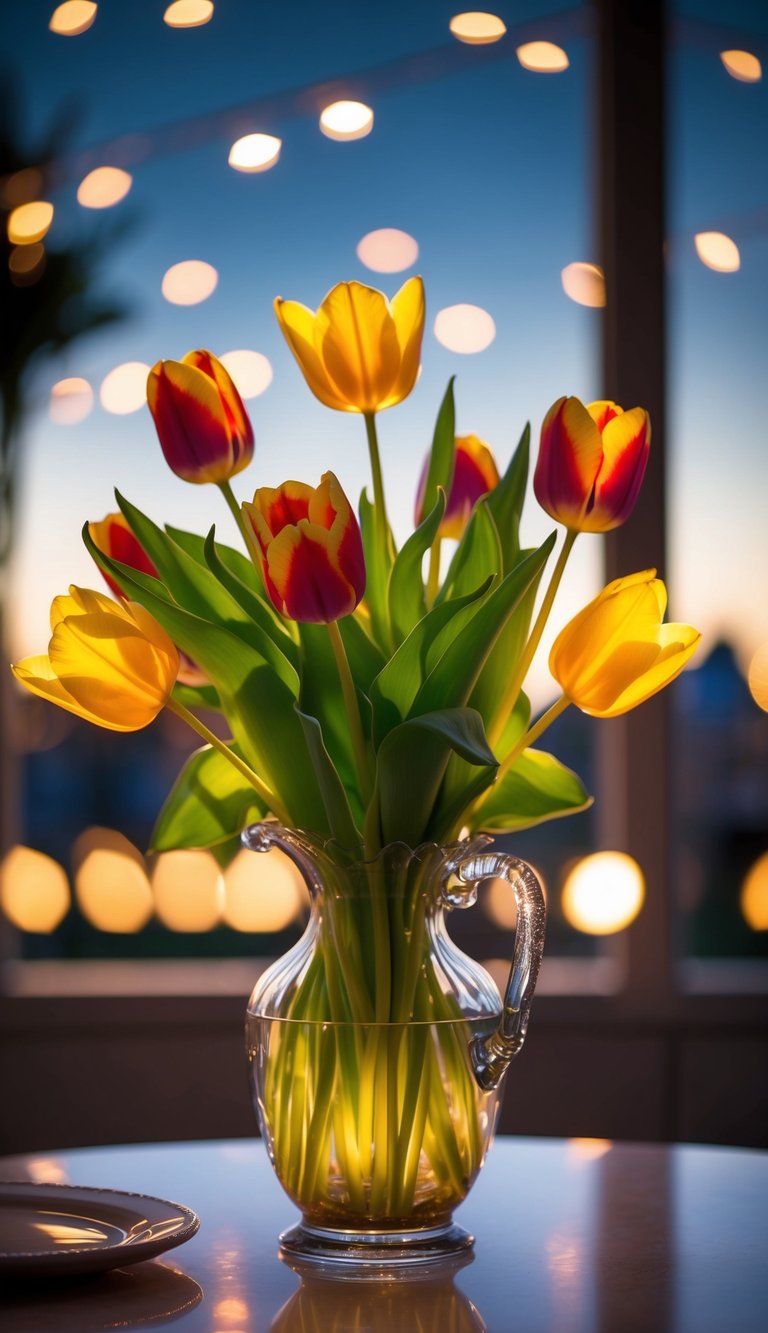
(492, 1055)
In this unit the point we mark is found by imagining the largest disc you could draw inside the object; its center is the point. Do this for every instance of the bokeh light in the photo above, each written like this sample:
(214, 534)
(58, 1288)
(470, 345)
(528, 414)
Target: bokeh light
(255, 152)
(29, 222)
(34, 890)
(757, 677)
(73, 17)
(464, 328)
(542, 57)
(111, 883)
(251, 371)
(387, 250)
(188, 13)
(603, 893)
(742, 65)
(188, 889)
(717, 251)
(26, 264)
(753, 898)
(104, 187)
(262, 891)
(124, 389)
(588, 1150)
(346, 120)
(584, 283)
(21, 187)
(71, 401)
(499, 902)
(477, 28)
(189, 282)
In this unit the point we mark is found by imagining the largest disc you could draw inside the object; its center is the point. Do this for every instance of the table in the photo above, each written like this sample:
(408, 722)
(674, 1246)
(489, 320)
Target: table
(572, 1236)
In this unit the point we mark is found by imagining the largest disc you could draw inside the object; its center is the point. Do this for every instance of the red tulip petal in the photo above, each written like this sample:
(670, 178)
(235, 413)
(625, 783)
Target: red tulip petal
(303, 578)
(191, 422)
(626, 442)
(570, 456)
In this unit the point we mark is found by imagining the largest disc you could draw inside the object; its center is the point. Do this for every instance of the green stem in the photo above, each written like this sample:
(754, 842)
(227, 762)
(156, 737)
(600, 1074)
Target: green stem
(433, 577)
(531, 735)
(268, 797)
(352, 709)
(237, 513)
(378, 481)
(516, 679)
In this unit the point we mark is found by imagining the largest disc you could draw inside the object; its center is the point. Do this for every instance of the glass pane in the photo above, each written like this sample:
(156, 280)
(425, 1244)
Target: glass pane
(718, 271)
(485, 165)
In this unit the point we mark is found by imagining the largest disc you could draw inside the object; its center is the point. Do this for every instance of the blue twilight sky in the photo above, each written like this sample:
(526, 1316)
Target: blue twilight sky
(489, 167)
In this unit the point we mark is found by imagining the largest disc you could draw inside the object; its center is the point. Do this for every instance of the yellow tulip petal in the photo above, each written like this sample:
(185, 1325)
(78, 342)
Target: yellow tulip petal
(587, 642)
(161, 642)
(586, 449)
(602, 411)
(668, 665)
(298, 326)
(37, 675)
(115, 655)
(357, 339)
(408, 310)
(619, 432)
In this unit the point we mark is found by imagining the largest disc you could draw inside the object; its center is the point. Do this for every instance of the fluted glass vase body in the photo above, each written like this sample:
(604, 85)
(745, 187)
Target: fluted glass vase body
(377, 1049)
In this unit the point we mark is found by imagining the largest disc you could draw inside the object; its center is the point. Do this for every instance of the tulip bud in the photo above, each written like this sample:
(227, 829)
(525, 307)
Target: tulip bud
(591, 463)
(616, 653)
(201, 423)
(474, 475)
(108, 662)
(310, 550)
(114, 538)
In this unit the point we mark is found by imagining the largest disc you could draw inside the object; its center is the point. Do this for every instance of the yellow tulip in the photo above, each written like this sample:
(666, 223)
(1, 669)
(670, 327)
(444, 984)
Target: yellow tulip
(616, 653)
(108, 662)
(359, 352)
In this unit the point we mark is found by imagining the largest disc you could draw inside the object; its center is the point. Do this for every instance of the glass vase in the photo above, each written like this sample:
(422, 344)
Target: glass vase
(378, 1049)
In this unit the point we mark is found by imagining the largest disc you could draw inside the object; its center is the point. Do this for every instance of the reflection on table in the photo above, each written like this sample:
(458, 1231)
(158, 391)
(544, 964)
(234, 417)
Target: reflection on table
(571, 1236)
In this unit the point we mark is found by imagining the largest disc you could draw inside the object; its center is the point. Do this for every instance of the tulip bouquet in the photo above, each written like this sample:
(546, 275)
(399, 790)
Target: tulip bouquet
(370, 695)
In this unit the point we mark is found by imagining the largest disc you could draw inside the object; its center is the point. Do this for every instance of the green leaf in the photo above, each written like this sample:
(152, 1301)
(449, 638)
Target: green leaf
(452, 680)
(209, 803)
(197, 696)
(463, 785)
(321, 697)
(443, 452)
(411, 762)
(378, 564)
(488, 695)
(258, 704)
(537, 788)
(396, 686)
(338, 813)
(506, 500)
(407, 604)
(477, 555)
(277, 645)
(365, 658)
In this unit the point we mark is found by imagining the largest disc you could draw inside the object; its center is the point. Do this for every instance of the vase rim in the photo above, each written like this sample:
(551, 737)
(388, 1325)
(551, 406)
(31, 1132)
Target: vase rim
(263, 834)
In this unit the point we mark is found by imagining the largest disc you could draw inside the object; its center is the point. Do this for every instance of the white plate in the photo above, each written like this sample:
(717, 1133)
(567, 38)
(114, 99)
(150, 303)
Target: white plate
(77, 1229)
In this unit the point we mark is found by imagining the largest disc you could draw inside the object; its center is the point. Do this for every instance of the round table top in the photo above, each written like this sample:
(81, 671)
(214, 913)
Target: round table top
(570, 1235)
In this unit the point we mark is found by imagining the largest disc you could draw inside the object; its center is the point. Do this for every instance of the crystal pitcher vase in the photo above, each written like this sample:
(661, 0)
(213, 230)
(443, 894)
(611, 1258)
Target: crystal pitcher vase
(378, 1050)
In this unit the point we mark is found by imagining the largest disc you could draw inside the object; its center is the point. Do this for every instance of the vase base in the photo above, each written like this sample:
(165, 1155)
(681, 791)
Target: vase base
(374, 1250)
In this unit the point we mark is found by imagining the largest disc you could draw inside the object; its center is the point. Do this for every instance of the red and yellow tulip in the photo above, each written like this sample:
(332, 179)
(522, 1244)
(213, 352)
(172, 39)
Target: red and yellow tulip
(474, 474)
(616, 653)
(201, 422)
(358, 352)
(115, 539)
(309, 547)
(591, 463)
(108, 662)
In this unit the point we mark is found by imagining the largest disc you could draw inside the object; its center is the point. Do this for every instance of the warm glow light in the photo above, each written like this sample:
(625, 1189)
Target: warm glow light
(742, 65)
(111, 883)
(387, 250)
(71, 401)
(124, 389)
(189, 282)
(251, 371)
(47, 1170)
(717, 251)
(476, 28)
(34, 890)
(464, 328)
(542, 57)
(231, 1310)
(188, 890)
(262, 892)
(103, 187)
(757, 677)
(26, 264)
(346, 120)
(73, 17)
(29, 222)
(188, 13)
(584, 283)
(753, 899)
(255, 152)
(588, 1150)
(603, 893)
